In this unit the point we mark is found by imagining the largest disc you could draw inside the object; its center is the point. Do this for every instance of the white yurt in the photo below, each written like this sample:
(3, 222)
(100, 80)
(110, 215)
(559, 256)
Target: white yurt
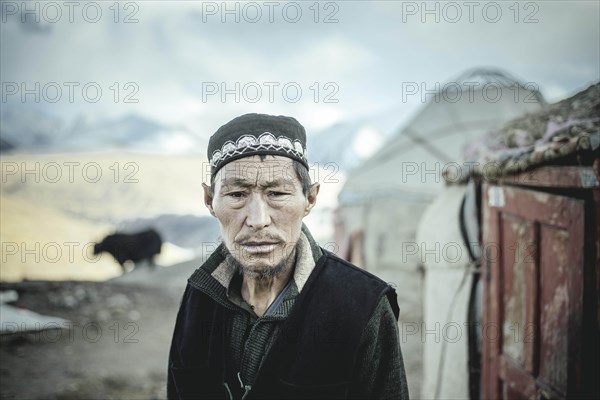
(384, 198)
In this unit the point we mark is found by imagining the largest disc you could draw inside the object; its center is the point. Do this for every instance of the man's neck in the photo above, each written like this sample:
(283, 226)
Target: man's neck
(261, 292)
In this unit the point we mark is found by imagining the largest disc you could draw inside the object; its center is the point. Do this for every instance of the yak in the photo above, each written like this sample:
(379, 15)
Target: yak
(131, 246)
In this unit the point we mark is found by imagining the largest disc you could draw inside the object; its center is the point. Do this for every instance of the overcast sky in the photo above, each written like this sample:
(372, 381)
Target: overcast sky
(354, 60)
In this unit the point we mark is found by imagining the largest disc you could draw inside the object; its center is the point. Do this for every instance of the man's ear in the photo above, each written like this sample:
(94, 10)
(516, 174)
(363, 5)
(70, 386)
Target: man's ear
(208, 199)
(311, 198)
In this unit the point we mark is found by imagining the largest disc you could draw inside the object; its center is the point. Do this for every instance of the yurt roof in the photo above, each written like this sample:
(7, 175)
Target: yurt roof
(410, 164)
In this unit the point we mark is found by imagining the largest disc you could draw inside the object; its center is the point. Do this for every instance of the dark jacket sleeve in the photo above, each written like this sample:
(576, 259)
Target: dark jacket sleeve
(380, 368)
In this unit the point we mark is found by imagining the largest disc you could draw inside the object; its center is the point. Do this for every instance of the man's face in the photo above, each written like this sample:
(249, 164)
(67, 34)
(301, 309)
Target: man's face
(260, 207)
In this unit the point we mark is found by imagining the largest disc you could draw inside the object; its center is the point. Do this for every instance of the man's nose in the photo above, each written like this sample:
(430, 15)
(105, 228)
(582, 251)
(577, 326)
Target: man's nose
(258, 213)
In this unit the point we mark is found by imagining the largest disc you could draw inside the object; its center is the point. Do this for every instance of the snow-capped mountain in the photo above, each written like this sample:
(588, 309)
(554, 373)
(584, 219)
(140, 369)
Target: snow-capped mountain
(131, 132)
(32, 130)
(346, 143)
(28, 128)
(349, 143)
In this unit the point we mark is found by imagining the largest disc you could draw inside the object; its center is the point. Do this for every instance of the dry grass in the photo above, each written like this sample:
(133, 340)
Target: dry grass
(49, 220)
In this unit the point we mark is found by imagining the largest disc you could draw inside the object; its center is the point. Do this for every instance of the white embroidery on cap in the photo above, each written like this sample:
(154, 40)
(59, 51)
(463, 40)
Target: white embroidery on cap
(266, 141)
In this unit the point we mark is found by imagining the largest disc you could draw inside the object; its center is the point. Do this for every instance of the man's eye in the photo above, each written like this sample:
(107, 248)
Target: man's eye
(237, 195)
(277, 194)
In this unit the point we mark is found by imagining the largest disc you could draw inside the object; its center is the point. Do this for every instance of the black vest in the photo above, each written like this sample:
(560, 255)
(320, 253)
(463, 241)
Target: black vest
(313, 357)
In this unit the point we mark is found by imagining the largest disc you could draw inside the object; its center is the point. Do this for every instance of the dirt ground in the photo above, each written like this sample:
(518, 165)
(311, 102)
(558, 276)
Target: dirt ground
(115, 347)
(117, 344)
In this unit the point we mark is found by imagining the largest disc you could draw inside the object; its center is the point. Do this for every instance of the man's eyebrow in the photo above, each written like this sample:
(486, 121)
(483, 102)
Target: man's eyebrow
(242, 183)
(237, 182)
(276, 183)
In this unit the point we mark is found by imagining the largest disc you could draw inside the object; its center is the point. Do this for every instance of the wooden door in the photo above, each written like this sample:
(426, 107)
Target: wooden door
(533, 271)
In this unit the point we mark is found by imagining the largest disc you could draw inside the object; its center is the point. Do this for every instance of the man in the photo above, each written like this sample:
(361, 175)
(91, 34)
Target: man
(270, 314)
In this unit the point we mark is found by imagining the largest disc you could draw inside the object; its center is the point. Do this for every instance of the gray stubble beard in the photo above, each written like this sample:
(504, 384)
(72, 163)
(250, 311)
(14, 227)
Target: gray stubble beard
(264, 273)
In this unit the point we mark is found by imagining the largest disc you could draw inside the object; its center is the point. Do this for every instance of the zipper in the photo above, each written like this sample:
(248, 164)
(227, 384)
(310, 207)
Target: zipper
(228, 391)
(247, 388)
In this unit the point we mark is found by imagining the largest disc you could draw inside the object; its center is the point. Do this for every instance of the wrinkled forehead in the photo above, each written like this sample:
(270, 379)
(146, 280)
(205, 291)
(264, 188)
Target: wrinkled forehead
(256, 171)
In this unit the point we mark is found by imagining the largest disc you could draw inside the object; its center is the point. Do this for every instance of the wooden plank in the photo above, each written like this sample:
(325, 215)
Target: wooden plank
(576, 284)
(546, 208)
(519, 383)
(536, 280)
(491, 321)
(555, 297)
(596, 195)
(518, 289)
(531, 328)
(556, 177)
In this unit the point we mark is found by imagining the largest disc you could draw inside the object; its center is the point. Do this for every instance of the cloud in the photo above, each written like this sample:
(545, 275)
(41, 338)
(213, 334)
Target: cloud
(372, 49)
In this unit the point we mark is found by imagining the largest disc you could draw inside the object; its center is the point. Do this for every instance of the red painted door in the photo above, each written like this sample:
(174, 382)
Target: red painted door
(533, 273)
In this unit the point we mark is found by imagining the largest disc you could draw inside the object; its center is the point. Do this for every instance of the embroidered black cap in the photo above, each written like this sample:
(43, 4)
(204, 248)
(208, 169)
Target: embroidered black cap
(254, 134)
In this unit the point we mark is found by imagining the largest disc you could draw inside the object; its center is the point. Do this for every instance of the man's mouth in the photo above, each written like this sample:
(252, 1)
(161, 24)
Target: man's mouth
(258, 247)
